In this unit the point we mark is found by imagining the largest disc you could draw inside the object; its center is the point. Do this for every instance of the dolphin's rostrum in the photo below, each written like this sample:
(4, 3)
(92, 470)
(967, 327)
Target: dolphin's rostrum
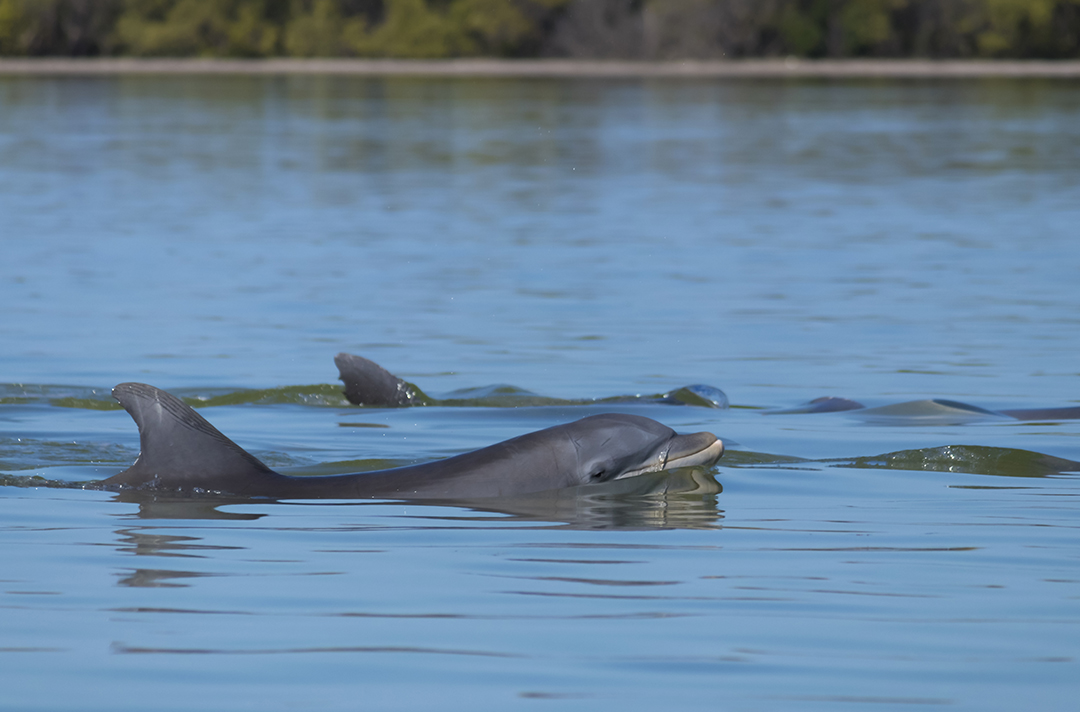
(181, 451)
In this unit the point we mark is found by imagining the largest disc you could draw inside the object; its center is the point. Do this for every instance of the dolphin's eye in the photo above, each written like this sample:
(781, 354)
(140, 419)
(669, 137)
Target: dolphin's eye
(597, 476)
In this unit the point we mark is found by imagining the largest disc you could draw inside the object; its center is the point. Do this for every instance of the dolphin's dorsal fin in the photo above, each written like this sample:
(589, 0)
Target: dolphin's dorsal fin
(179, 448)
(368, 383)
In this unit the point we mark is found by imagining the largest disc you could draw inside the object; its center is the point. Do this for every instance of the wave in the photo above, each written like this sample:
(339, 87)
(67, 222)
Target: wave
(94, 398)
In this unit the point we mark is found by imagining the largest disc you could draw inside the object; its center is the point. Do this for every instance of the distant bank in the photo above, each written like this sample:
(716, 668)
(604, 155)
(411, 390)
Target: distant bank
(551, 67)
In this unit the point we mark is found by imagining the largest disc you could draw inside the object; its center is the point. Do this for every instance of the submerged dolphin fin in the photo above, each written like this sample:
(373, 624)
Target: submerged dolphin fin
(368, 383)
(179, 448)
(825, 404)
(697, 394)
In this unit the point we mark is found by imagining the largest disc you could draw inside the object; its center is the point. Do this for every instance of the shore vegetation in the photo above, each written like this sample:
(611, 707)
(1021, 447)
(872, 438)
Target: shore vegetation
(581, 29)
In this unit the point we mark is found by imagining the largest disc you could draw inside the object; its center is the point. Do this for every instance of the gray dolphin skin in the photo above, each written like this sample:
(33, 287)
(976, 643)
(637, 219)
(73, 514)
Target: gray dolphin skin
(368, 383)
(181, 451)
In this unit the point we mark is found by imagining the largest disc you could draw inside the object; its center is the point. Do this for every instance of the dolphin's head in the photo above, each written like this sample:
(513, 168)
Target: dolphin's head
(614, 446)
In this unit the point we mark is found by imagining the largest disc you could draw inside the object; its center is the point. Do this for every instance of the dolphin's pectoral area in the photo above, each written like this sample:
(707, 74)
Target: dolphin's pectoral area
(182, 451)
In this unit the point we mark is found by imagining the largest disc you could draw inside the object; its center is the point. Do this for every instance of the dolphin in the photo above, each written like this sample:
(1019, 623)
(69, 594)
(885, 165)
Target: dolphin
(368, 383)
(181, 451)
(938, 410)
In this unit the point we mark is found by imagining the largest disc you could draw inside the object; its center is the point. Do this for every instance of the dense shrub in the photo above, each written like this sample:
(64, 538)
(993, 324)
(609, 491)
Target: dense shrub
(626, 29)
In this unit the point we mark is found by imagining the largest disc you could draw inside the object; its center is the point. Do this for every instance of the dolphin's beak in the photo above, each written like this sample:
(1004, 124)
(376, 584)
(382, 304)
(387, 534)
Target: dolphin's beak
(693, 450)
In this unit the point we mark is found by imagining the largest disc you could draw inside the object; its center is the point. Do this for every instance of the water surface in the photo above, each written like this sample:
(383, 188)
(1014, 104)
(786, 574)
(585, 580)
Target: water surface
(782, 240)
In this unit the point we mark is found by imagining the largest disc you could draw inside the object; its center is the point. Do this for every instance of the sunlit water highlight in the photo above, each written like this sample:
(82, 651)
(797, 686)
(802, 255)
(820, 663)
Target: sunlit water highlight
(224, 237)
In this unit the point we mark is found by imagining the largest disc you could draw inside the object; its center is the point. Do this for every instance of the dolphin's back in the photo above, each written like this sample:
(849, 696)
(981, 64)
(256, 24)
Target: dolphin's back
(180, 450)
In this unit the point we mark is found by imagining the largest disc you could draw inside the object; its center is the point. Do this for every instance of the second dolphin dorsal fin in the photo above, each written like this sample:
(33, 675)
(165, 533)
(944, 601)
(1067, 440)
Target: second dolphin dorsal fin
(368, 383)
(179, 448)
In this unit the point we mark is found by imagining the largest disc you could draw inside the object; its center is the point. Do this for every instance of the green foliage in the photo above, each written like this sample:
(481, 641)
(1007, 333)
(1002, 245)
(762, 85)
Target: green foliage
(195, 28)
(802, 32)
(410, 29)
(490, 26)
(649, 29)
(320, 30)
(13, 25)
(415, 28)
(867, 24)
(1019, 27)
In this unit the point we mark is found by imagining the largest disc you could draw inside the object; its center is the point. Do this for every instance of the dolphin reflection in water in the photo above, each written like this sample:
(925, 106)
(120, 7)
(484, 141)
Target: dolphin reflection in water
(181, 451)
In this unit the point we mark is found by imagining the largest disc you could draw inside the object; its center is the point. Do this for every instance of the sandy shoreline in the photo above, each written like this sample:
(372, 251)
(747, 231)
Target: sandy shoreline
(547, 68)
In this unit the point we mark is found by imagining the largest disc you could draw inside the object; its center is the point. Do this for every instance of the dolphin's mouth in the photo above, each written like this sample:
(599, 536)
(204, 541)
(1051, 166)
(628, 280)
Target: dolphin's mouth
(693, 450)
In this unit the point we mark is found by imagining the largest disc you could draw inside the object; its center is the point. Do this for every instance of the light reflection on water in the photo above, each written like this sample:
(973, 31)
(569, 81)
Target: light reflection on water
(885, 241)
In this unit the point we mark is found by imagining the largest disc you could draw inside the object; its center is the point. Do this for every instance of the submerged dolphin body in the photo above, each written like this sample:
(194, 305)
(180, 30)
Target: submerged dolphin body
(938, 410)
(368, 383)
(181, 451)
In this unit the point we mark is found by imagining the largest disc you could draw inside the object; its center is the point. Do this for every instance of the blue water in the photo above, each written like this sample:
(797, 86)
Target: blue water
(781, 240)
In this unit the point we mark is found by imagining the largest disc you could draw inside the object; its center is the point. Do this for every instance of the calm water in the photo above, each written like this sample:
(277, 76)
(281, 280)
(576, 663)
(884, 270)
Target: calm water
(779, 240)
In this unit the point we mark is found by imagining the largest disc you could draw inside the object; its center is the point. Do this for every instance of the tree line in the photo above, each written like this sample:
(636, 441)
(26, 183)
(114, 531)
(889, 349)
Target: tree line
(593, 29)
